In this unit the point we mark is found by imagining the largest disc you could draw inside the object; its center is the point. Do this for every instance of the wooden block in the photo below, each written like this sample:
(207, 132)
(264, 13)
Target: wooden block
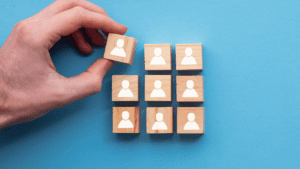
(126, 120)
(158, 87)
(125, 88)
(189, 88)
(190, 120)
(120, 48)
(159, 120)
(189, 57)
(158, 57)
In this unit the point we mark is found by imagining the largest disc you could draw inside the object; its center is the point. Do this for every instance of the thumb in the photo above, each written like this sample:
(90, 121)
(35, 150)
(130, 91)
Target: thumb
(89, 82)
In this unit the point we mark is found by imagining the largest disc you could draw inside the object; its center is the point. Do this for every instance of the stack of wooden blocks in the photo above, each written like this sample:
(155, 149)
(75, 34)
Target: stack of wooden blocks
(158, 88)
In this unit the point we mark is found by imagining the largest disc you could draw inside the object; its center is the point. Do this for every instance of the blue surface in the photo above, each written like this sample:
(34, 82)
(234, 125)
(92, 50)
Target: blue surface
(251, 81)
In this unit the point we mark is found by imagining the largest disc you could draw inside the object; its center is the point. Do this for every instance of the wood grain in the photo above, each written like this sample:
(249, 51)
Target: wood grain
(166, 53)
(166, 81)
(167, 119)
(197, 54)
(117, 87)
(134, 117)
(181, 85)
(182, 119)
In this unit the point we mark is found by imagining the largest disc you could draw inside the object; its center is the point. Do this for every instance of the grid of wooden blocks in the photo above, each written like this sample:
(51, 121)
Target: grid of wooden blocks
(158, 88)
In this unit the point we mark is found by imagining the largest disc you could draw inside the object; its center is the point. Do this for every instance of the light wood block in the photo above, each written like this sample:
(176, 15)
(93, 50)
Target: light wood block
(158, 87)
(190, 120)
(189, 89)
(159, 120)
(126, 120)
(189, 57)
(125, 88)
(158, 57)
(120, 48)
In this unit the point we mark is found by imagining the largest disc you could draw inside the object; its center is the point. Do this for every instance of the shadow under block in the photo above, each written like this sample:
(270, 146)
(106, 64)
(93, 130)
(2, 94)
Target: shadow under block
(126, 120)
(189, 89)
(159, 120)
(158, 87)
(158, 57)
(120, 48)
(125, 88)
(190, 120)
(189, 57)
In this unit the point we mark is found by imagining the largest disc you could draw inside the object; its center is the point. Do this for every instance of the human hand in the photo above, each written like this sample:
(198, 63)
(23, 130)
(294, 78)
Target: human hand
(29, 83)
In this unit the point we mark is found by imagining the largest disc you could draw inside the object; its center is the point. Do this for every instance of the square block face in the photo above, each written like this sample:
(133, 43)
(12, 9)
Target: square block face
(126, 120)
(190, 120)
(189, 88)
(158, 87)
(158, 57)
(125, 88)
(159, 120)
(189, 57)
(120, 48)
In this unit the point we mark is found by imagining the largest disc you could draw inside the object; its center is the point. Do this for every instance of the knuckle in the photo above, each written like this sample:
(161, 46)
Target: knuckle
(26, 32)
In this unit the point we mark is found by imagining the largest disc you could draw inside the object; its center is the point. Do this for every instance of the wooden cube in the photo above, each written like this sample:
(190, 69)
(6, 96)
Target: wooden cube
(120, 48)
(189, 88)
(158, 57)
(189, 57)
(158, 87)
(190, 120)
(126, 120)
(125, 88)
(159, 120)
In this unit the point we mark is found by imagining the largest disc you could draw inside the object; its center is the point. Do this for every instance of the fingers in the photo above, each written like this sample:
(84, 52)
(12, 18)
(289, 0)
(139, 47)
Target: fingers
(63, 5)
(95, 37)
(69, 21)
(81, 43)
(87, 83)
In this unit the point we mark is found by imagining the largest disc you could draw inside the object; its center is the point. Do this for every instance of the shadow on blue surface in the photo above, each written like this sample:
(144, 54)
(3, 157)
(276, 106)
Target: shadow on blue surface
(127, 137)
(190, 137)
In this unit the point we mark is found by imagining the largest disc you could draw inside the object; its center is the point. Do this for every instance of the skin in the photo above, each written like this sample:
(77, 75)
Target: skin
(29, 83)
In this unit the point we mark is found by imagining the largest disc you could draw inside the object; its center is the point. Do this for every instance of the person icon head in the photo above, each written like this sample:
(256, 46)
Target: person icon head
(125, 84)
(120, 43)
(157, 51)
(188, 51)
(159, 117)
(190, 84)
(157, 84)
(191, 117)
(125, 115)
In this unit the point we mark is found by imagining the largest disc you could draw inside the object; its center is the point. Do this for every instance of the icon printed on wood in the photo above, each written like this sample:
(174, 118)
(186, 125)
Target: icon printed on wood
(125, 91)
(189, 88)
(159, 124)
(126, 120)
(125, 123)
(158, 57)
(120, 48)
(159, 120)
(119, 51)
(125, 88)
(190, 120)
(189, 57)
(158, 88)
(157, 92)
(190, 91)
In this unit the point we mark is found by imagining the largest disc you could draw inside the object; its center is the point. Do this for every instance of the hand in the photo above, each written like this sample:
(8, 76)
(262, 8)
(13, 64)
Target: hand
(29, 83)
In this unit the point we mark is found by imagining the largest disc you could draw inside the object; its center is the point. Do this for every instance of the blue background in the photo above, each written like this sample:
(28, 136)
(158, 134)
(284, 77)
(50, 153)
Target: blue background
(251, 83)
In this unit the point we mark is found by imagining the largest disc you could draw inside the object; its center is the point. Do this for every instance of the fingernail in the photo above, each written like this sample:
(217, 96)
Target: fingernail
(109, 65)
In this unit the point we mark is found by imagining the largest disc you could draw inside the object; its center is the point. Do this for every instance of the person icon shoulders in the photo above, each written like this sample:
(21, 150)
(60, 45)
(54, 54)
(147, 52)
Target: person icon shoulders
(159, 124)
(157, 92)
(191, 124)
(125, 122)
(188, 59)
(119, 51)
(157, 59)
(190, 91)
(125, 91)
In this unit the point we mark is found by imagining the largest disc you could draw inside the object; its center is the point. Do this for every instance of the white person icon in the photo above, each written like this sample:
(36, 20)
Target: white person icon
(159, 124)
(119, 51)
(125, 122)
(191, 124)
(188, 59)
(125, 91)
(157, 92)
(157, 59)
(190, 91)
